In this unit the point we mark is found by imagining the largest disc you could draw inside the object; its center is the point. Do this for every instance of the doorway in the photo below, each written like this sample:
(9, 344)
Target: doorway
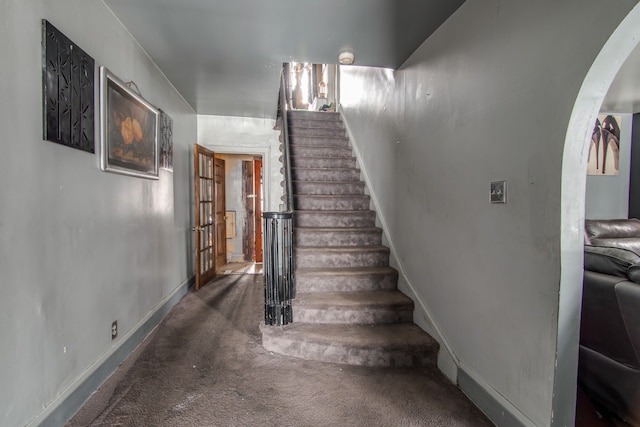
(244, 202)
(574, 167)
(312, 87)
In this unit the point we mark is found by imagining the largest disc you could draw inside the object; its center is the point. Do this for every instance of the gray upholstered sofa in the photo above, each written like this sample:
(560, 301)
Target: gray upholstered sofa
(609, 363)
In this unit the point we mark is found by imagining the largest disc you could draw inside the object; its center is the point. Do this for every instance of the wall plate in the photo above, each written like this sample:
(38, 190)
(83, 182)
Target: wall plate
(499, 192)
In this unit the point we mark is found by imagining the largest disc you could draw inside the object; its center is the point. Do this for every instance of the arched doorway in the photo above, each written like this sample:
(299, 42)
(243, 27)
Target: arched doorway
(585, 111)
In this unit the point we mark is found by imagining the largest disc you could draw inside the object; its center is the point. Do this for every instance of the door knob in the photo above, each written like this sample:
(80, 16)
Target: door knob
(197, 229)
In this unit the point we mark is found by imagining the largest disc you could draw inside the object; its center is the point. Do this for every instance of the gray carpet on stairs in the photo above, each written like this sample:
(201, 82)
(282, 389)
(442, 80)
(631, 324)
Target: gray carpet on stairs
(205, 366)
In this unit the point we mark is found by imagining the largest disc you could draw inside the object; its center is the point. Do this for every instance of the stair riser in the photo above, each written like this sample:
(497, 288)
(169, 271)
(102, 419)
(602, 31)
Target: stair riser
(328, 175)
(344, 354)
(364, 218)
(309, 283)
(343, 203)
(362, 316)
(323, 162)
(336, 238)
(332, 141)
(322, 131)
(323, 151)
(310, 123)
(328, 188)
(313, 115)
(335, 141)
(324, 259)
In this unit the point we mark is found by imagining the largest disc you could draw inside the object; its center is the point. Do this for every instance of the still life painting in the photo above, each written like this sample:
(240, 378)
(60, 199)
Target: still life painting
(129, 130)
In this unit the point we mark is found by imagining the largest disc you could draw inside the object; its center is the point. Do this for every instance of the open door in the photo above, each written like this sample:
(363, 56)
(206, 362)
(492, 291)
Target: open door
(206, 172)
(257, 189)
(219, 209)
(249, 221)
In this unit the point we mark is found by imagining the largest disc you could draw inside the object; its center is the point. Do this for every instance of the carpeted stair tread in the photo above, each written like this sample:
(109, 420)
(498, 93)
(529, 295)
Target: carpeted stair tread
(338, 229)
(307, 150)
(341, 256)
(328, 188)
(314, 115)
(328, 162)
(334, 202)
(399, 335)
(319, 139)
(343, 249)
(337, 236)
(335, 218)
(392, 344)
(345, 271)
(314, 122)
(360, 307)
(328, 175)
(337, 148)
(345, 279)
(386, 298)
(316, 131)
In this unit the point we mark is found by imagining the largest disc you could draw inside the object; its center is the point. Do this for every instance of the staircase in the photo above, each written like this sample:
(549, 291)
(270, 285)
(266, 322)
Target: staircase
(347, 308)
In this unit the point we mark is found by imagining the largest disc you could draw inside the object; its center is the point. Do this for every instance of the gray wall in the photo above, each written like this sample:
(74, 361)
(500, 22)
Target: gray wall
(488, 97)
(608, 196)
(79, 248)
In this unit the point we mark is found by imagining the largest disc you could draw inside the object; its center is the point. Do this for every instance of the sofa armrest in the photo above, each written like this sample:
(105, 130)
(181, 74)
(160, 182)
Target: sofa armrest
(614, 261)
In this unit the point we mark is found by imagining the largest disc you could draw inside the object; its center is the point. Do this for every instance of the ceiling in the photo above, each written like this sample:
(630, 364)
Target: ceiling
(225, 56)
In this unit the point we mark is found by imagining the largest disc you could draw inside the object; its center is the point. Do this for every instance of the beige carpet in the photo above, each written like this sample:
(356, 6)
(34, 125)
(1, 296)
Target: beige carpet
(205, 366)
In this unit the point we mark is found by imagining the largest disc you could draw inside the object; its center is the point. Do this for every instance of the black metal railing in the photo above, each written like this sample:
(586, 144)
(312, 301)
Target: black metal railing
(279, 276)
(278, 267)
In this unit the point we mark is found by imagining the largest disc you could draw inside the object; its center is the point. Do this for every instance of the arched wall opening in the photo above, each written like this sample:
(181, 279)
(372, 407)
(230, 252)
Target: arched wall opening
(576, 148)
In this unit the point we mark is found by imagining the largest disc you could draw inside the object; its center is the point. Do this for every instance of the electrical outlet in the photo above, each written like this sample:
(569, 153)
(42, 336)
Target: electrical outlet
(499, 192)
(114, 329)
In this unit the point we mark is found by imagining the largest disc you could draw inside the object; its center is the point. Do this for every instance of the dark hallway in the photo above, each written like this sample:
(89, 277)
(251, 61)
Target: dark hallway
(205, 365)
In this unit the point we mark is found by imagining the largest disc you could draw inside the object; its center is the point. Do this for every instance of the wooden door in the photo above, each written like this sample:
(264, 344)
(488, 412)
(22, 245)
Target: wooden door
(257, 190)
(219, 209)
(248, 222)
(203, 170)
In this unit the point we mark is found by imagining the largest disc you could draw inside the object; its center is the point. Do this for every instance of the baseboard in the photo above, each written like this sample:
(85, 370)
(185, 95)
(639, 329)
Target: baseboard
(447, 360)
(494, 406)
(68, 403)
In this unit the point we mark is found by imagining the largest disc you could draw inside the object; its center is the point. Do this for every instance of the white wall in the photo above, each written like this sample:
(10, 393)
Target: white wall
(608, 196)
(488, 97)
(246, 135)
(79, 247)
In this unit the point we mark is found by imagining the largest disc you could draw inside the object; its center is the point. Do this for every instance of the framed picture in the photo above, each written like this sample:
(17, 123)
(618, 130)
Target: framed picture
(604, 147)
(128, 130)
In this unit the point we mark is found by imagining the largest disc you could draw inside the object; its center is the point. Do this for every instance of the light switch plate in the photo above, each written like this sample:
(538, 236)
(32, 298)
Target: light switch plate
(499, 192)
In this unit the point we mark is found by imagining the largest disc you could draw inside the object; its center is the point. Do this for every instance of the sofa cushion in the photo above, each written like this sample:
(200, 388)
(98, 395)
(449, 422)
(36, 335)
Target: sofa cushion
(615, 261)
(612, 228)
(629, 243)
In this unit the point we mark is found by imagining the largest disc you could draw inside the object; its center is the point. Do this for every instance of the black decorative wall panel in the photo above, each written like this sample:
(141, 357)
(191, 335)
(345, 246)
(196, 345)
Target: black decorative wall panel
(166, 141)
(68, 83)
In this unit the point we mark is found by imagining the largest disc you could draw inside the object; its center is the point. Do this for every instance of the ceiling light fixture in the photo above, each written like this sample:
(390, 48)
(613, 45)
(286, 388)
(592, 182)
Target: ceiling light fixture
(346, 57)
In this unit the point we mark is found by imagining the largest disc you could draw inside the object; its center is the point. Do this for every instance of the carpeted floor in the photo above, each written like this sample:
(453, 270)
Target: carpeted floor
(205, 366)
